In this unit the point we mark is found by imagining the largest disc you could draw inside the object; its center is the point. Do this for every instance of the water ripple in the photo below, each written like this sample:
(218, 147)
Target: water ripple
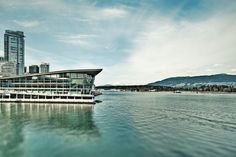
(124, 124)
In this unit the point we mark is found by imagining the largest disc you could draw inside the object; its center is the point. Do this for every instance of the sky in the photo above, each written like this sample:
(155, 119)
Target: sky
(133, 41)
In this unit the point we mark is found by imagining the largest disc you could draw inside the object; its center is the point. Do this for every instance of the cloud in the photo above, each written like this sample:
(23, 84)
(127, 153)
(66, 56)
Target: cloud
(113, 12)
(233, 70)
(27, 24)
(217, 65)
(36, 56)
(135, 43)
(75, 39)
(168, 48)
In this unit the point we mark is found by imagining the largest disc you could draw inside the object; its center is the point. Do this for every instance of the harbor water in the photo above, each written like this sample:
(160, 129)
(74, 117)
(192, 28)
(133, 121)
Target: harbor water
(130, 124)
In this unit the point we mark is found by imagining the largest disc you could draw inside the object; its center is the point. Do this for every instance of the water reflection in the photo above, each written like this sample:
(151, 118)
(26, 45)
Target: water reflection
(17, 121)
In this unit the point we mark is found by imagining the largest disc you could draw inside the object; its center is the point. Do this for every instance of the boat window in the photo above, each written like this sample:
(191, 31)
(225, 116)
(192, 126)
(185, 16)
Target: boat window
(34, 97)
(87, 97)
(13, 96)
(48, 97)
(20, 96)
(41, 97)
(5, 96)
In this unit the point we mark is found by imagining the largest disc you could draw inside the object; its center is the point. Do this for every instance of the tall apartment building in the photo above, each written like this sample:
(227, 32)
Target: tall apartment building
(14, 49)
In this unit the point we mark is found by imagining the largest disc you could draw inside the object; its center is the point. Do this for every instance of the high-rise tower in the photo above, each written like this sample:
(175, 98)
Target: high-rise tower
(14, 49)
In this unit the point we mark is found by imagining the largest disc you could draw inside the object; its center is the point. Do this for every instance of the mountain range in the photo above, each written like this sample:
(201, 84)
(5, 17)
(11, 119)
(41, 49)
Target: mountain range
(196, 81)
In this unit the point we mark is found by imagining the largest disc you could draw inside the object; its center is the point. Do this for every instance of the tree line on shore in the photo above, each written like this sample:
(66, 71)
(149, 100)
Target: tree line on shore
(145, 88)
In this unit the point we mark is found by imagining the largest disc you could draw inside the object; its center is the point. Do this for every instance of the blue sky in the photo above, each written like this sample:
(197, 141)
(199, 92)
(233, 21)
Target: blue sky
(134, 41)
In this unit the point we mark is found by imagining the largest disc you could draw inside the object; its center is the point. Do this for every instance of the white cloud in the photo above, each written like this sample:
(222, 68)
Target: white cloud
(75, 39)
(27, 24)
(103, 14)
(113, 12)
(168, 48)
(36, 56)
(81, 10)
(160, 46)
(217, 65)
(184, 47)
(233, 70)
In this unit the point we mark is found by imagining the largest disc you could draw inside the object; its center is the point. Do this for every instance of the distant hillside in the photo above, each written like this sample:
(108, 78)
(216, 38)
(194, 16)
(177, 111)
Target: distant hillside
(196, 81)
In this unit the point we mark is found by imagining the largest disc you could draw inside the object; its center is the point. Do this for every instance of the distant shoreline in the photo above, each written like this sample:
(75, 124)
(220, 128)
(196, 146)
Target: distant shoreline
(170, 92)
(147, 88)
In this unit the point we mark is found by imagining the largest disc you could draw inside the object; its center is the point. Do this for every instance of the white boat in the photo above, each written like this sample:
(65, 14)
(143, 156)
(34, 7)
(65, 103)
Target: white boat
(66, 86)
(177, 91)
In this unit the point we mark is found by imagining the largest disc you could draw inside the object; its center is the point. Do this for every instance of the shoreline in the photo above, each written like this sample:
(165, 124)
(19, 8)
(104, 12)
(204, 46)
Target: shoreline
(181, 92)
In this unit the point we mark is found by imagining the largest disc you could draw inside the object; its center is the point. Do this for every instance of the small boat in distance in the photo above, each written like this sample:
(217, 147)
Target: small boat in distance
(66, 86)
(177, 91)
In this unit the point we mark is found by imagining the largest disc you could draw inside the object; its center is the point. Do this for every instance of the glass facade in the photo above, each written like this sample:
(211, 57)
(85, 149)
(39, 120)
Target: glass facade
(14, 49)
(59, 83)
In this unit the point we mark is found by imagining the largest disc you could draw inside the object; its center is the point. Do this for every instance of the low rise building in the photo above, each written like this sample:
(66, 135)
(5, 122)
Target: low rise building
(8, 69)
(33, 69)
(44, 68)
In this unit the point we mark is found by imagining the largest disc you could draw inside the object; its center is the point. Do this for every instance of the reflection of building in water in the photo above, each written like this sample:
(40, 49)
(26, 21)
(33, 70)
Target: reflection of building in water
(15, 119)
(11, 132)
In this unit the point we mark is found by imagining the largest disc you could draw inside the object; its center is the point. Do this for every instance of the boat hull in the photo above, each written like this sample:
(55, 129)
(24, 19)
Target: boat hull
(45, 98)
(61, 101)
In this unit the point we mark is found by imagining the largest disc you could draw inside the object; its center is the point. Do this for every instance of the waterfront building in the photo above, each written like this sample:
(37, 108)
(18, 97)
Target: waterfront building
(66, 86)
(44, 67)
(14, 49)
(33, 69)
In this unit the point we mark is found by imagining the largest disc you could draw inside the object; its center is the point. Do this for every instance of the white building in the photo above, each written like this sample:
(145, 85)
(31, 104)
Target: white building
(7, 69)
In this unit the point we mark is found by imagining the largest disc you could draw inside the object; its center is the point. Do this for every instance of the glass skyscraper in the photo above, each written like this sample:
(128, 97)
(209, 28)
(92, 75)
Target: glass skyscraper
(14, 49)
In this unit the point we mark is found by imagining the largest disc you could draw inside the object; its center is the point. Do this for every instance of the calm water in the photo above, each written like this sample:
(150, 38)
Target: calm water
(124, 124)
